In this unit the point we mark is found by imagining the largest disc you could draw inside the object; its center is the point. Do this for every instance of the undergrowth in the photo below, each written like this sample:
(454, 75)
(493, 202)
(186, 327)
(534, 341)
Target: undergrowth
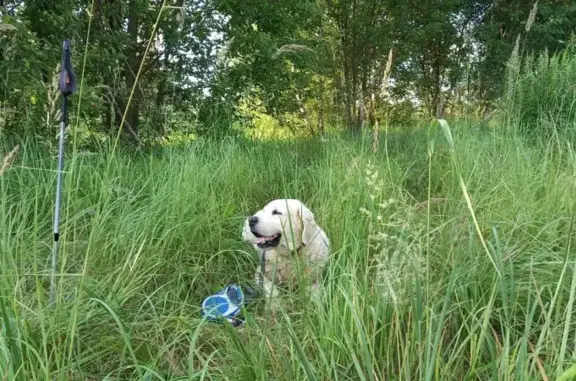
(422, 284)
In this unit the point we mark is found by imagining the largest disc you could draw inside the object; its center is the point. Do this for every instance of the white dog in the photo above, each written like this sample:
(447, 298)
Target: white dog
(286, 234)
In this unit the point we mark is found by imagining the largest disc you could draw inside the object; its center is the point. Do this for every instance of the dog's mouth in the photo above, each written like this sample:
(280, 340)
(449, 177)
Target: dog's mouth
(264, 242)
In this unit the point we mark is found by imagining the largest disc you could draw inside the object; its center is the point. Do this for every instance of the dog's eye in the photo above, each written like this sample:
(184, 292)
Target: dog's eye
(276, 213)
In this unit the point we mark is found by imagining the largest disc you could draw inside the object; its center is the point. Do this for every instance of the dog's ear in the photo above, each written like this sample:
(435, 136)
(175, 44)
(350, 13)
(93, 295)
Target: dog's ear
(309, 226)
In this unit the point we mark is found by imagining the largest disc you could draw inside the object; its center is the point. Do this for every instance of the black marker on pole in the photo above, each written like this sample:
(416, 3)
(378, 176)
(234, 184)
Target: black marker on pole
(67, 85)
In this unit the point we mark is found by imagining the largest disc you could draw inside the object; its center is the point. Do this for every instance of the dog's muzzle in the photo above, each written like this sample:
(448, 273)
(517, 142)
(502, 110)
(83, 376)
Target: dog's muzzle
(265, 242)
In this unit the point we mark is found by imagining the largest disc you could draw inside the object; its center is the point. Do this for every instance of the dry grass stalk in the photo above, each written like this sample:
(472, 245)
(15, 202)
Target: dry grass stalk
(531, 17)
(387, 72)
(51, 108)
(8, 160)
(440, 106)
(515, 56)
(376, 136)
(291, 48)
(514, 62)
(513, 65)
(383, 90)
(7, 28)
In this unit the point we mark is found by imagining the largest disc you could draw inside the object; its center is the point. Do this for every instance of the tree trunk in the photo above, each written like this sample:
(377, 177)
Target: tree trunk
(159, 119)
(163, 82)
(362, 98)
(348, 63)
(437, 102)
(321, 108)
(111, 14)
(321, 95)
(354, 92)
(347, 81)
(304, 115)
(130, 126)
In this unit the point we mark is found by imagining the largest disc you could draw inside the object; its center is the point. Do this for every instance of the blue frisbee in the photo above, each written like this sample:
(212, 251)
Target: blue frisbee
(226, 304)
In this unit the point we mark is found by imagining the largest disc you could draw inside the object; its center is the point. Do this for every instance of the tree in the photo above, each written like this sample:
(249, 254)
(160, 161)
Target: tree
(307, 64)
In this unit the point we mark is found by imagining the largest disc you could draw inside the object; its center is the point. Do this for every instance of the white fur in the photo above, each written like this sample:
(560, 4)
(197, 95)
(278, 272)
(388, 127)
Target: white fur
(303, 249)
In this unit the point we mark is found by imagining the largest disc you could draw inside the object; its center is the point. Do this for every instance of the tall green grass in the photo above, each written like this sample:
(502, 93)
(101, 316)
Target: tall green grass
(411, 291)
(541, 98)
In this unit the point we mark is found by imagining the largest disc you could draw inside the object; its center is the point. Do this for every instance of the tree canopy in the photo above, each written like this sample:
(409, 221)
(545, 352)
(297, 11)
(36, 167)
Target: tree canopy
(302, 66)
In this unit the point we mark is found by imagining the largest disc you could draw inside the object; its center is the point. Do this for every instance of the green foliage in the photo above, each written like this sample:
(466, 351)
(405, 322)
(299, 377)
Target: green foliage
(503, 22)
(148, 69)
(107, 56)
(542, 99)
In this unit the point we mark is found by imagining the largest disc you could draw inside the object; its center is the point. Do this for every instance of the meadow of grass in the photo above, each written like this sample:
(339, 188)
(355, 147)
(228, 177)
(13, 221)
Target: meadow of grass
(451, 260)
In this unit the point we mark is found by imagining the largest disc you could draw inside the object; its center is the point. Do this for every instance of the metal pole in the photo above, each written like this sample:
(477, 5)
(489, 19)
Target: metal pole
(67, 86)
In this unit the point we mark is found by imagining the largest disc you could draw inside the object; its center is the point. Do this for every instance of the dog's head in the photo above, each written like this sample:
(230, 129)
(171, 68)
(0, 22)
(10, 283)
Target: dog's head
(281, 223)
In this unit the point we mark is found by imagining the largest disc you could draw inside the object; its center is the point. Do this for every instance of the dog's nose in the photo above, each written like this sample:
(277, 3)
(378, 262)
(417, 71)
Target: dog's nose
(252, 221)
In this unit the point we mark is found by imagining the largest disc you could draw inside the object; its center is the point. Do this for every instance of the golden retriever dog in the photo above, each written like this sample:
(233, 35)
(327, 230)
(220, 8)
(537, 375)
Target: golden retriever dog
(285, 232)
